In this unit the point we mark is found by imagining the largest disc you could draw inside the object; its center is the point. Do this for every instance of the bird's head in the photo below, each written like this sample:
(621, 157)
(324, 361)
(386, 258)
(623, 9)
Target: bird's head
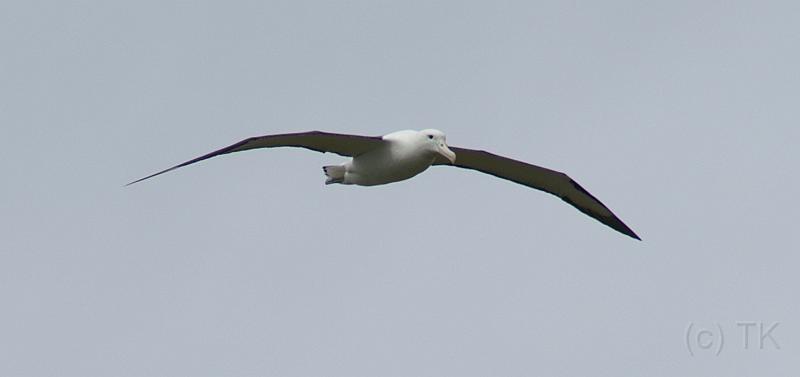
(436, 141)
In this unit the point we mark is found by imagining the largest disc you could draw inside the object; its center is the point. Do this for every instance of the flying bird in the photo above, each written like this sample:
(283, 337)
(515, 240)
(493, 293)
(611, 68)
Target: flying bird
(378, 160)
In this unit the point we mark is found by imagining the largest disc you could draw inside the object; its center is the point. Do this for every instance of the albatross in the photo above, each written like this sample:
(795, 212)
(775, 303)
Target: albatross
(378, 160)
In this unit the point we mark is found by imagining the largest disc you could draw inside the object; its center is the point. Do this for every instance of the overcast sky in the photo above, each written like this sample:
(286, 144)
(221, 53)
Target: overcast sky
(682, 116)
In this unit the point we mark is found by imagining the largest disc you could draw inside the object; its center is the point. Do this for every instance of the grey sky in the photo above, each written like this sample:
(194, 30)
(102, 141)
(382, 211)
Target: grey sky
(681, 116)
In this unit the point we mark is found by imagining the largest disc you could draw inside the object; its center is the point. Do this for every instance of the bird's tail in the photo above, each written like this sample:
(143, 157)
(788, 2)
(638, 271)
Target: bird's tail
(335, 174)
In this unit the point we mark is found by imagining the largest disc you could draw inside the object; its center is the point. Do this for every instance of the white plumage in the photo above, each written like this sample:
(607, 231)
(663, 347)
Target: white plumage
(403, 154)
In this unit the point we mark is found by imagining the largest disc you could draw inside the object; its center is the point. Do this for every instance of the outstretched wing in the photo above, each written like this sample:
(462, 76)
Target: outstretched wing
(342, 144)
(551, 181)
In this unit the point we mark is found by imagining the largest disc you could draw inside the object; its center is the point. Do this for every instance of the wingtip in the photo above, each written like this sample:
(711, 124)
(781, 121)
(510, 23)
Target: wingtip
(624, 229)
(629, 232)
(136, 181)
(142, 179)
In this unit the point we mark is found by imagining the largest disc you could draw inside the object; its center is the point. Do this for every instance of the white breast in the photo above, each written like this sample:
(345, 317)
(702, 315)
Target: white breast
(403, 157)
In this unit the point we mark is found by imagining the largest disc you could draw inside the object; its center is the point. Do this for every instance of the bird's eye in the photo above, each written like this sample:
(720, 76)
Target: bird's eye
(430, 136)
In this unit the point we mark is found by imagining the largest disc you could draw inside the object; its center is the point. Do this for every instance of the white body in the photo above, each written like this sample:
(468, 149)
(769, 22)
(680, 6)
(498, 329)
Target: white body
(406, 154)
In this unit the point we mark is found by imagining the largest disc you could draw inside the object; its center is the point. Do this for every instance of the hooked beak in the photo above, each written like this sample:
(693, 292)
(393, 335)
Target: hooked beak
(447, 153)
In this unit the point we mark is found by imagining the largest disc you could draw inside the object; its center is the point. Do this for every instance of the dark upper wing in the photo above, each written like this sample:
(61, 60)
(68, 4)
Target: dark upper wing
(345, 145)
(556, 183)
